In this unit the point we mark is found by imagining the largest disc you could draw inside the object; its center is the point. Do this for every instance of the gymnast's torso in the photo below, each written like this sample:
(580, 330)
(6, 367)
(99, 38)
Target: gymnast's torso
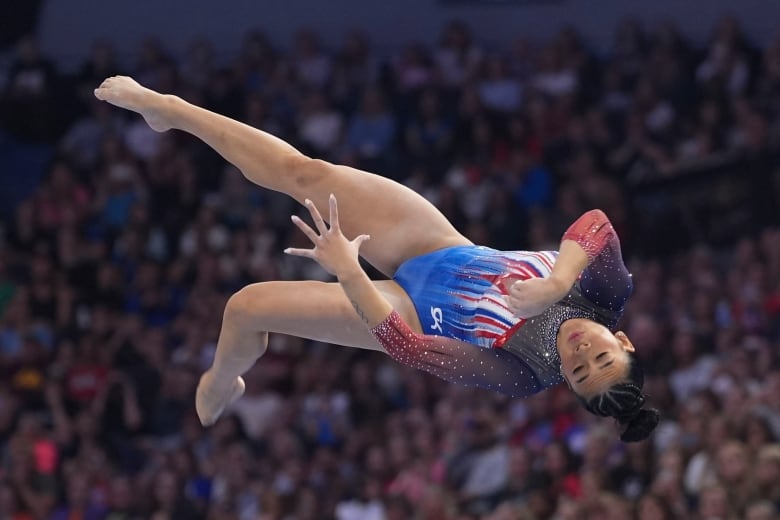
(458, 293)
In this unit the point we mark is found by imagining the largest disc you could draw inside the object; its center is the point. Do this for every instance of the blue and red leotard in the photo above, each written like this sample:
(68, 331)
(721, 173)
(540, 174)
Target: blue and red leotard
(470, 335)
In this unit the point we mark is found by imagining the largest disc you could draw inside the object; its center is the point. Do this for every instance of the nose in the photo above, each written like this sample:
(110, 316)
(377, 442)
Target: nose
(584, 345)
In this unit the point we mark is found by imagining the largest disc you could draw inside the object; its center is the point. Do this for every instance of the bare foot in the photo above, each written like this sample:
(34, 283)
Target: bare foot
(127, 93)
(211, 398)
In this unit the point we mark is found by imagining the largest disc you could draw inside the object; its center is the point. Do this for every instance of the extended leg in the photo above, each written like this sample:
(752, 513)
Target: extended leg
(313, 310)
(402, 223)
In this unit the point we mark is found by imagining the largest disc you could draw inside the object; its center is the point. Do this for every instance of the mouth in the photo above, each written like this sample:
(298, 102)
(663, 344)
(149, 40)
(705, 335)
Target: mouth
(575, 336)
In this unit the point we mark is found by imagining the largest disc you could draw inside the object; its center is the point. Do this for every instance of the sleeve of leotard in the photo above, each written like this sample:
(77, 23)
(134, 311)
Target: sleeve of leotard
(455, 361)
(606, 280)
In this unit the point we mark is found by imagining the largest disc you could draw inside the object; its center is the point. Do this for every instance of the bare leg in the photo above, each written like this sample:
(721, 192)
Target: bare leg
(402, 224)
(314, 310)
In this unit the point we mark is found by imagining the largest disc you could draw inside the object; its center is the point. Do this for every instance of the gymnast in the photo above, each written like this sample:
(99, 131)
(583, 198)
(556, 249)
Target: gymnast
(511, 322)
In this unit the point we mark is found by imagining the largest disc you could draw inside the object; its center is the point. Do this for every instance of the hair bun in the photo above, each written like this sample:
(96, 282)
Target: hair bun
(639, 428)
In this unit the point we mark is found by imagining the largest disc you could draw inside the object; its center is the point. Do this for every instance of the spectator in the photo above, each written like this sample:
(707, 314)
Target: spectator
(371, 133)
(457, 56)
(29, 99)
(312, 66)
(320, 126)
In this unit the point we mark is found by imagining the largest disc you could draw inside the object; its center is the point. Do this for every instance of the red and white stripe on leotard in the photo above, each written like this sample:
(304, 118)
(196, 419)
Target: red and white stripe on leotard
(489, 318)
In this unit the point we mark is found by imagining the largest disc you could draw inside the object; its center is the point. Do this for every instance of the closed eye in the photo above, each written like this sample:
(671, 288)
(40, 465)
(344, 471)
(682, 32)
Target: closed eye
(601, 356)
(577, 369)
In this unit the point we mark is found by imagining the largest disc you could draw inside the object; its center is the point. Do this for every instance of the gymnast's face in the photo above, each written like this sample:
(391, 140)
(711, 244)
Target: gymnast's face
(592, 357)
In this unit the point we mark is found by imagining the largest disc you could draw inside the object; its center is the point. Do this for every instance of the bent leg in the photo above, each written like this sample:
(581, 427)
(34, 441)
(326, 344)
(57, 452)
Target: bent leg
(313, 310)
(401, 223)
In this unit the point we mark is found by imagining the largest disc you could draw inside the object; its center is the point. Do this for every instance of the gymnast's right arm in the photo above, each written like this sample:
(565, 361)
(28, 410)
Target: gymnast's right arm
(590, 252)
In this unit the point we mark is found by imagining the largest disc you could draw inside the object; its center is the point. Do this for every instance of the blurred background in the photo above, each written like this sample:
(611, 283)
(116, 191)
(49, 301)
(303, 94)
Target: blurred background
(119, 248)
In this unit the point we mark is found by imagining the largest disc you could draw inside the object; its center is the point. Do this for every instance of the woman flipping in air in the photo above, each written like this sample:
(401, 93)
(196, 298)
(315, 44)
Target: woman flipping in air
(512, 322)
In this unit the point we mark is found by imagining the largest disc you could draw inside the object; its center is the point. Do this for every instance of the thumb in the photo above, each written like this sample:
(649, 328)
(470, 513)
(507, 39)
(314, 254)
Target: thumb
(360, 239)
(507, 281)
(517, 287)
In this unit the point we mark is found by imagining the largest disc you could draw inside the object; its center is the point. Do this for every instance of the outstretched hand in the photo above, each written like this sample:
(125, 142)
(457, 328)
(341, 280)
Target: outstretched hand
(332, 250)
(527, 298)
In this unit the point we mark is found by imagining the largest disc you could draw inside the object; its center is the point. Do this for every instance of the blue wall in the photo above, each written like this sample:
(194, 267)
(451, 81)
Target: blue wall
(69, 26)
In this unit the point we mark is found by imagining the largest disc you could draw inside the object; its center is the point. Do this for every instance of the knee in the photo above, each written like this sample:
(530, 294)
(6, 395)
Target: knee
(246, 304)
(306, 171)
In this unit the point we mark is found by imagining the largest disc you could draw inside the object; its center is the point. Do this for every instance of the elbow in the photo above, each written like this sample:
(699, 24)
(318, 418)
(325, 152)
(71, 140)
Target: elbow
(596, 215)
(592, 221)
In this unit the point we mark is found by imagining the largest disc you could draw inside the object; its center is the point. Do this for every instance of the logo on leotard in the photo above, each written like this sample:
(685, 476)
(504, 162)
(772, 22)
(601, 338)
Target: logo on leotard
(437, 316)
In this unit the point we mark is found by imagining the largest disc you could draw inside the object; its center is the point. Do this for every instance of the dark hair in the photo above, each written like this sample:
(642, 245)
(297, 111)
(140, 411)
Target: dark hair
(624, 402)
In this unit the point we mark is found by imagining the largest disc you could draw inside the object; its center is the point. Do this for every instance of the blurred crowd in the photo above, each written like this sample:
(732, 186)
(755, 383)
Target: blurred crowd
(114, 273)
